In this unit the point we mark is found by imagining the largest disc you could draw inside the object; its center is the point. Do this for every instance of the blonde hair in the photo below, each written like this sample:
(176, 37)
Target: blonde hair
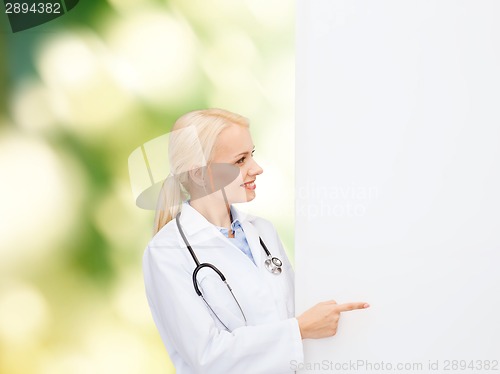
(188, 149)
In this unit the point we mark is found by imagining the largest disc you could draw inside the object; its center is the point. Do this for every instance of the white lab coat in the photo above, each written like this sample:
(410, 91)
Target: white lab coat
(194, 338)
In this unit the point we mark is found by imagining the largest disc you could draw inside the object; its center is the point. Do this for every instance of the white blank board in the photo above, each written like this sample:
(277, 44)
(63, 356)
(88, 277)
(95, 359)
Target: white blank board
(398, 182)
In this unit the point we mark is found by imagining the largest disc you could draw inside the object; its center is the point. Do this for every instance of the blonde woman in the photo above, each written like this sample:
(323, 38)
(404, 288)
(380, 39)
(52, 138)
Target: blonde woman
(218, 281)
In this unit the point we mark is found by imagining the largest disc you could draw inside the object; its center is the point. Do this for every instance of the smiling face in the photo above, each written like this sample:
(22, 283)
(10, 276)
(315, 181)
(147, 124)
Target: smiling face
(234, 146)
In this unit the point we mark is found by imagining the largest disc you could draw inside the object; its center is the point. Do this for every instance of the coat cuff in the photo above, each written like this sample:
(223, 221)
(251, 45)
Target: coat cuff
(296, 340)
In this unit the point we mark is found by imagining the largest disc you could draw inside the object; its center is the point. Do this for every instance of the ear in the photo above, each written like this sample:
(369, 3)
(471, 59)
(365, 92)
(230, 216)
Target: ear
(197, 175)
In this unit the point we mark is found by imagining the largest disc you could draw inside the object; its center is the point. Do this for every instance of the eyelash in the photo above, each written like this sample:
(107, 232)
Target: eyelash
(242, 160)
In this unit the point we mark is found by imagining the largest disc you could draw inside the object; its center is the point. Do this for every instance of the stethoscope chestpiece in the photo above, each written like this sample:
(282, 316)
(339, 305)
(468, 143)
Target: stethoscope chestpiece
(274, 264)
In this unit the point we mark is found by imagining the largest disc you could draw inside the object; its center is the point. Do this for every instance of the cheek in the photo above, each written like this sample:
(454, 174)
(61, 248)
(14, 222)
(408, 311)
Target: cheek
(238, 181)
(244, 173)
(235, 190)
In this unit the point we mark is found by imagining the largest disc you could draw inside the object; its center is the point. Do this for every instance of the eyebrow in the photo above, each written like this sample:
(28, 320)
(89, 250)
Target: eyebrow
(244, 153)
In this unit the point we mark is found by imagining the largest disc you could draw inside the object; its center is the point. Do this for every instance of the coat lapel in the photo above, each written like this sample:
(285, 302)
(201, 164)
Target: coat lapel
(251, 234)
(200, 232)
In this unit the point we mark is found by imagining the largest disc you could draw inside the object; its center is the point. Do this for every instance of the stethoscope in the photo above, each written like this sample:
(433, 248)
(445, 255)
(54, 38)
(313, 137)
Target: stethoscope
(273, 264)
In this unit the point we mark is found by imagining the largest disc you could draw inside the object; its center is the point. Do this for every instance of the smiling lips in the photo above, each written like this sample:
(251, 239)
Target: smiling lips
(249, 185)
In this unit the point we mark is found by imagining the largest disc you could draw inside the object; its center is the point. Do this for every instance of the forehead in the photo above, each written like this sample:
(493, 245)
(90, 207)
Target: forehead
(233, 140)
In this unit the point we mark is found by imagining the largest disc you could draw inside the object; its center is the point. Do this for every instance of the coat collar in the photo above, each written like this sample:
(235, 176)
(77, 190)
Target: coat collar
(198, 229)
(193, 221)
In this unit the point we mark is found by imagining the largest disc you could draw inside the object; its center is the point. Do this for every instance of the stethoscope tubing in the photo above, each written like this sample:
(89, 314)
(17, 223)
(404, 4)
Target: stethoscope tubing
(274, 261)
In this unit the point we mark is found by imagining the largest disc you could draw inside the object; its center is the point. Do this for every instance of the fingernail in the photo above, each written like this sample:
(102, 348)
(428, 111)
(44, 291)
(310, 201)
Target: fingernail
(366, 305)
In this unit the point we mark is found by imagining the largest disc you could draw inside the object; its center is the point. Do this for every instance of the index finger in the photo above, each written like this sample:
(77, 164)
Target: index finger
(351, 306)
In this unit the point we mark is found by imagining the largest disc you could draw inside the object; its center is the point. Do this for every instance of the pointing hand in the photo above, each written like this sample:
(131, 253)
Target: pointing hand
(321, 320)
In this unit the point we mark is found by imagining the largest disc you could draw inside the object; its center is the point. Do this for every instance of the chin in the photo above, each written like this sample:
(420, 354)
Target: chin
(250, 196)
(241, 199)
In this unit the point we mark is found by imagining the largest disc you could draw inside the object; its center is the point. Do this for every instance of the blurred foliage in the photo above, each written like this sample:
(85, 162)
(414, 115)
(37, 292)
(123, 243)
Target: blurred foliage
(78, 95)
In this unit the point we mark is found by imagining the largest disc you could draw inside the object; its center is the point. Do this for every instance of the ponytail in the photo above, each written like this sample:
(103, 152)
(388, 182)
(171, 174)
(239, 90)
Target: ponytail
(170, 199)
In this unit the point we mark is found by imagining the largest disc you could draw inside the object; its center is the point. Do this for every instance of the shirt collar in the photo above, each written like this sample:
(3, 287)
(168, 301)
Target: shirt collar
(234, 225)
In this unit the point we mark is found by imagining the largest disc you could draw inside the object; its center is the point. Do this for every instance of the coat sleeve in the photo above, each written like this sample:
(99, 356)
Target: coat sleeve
(186, 324)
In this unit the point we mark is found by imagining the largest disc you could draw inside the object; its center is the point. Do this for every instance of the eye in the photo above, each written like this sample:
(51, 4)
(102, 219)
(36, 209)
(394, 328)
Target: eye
(241, 161)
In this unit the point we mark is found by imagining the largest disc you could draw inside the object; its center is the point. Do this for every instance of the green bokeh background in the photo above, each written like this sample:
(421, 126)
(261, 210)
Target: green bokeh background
(78, 95)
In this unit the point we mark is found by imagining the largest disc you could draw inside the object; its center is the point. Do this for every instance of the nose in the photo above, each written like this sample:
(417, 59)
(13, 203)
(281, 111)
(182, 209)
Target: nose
(255, 168)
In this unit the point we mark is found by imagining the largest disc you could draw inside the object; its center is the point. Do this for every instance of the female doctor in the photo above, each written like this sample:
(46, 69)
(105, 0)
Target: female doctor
(218, 281)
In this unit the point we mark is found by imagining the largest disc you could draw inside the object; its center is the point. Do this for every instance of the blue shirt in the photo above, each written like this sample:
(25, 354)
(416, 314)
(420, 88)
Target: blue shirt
(239, 240)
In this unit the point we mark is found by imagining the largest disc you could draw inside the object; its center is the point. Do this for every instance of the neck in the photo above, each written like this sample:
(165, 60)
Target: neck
(216, 211)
